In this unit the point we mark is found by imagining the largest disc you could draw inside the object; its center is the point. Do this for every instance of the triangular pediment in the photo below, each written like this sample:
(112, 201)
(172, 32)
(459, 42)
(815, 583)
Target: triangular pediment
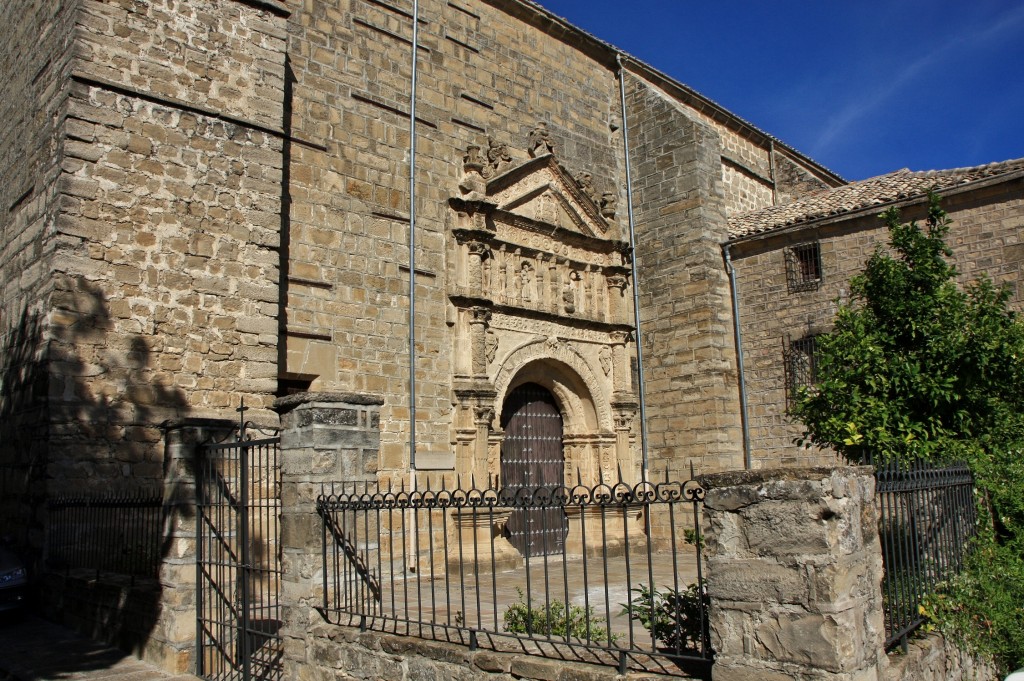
(541, 191)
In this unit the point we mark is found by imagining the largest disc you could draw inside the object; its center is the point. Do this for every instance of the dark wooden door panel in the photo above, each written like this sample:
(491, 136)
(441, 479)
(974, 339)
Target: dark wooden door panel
(531, 457)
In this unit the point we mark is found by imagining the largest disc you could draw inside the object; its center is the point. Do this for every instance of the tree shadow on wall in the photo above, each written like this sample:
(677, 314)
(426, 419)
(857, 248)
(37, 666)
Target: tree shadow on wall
(85, 478)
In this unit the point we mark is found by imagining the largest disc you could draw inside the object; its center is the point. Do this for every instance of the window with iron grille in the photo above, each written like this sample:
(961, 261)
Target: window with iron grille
(801, 364)
(803, 267)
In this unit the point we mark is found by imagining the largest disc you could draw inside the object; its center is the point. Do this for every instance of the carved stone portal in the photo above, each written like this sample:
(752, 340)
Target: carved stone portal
(540, 280)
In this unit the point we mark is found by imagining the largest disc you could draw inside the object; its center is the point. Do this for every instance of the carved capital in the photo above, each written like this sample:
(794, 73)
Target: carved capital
(478, 248)
(479, 315)
(624, 412)
(616, 281)
(620, 337)
(483, 415)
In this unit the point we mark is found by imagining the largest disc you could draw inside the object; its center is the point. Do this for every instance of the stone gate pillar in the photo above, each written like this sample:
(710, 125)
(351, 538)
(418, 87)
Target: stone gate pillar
(325, 438)
(794, 571)
(171, 644)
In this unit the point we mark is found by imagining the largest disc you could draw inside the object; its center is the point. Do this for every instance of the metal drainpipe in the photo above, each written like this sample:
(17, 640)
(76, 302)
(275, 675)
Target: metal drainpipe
(412, 279)
(771, 171)
(636, 288)
(739, 356)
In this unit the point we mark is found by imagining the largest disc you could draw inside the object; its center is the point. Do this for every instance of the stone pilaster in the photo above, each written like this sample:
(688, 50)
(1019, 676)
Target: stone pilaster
(325, 438)
(794, 569)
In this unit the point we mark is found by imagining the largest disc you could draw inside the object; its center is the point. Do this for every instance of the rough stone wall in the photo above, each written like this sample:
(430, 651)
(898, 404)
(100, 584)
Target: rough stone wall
(801, 604)
(985, 237)
(482, 73)
(794, 181)
(692, 399)
(936, 658)
(746, 171)
(346, 654)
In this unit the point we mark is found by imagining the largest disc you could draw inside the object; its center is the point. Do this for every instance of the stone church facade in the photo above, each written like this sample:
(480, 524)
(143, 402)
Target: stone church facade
(209, 202)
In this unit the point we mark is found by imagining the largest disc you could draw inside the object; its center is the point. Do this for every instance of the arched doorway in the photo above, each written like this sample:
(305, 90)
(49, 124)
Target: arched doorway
(532, 456)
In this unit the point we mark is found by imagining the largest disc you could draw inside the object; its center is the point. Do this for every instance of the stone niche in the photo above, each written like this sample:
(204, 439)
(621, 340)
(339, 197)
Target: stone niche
(539, 280)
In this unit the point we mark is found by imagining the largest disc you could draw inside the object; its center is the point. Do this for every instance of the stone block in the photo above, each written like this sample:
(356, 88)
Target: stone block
(757, 581)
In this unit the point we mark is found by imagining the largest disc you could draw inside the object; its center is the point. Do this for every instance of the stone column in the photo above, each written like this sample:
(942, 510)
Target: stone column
(624, 412)
(482, 417)
(478, 318)
(620, 363)
(616, 289)
(477, 251)
(794, 571)
(325, 438)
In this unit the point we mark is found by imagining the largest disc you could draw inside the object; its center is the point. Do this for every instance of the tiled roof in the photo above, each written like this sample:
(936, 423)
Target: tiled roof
(874, 191)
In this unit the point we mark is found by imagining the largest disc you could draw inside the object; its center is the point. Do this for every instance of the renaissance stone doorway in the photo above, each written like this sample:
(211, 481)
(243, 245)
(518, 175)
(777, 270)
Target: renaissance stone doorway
(532, 456)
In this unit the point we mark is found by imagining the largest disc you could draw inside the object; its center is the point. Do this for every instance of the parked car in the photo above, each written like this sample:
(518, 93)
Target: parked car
(13, 581)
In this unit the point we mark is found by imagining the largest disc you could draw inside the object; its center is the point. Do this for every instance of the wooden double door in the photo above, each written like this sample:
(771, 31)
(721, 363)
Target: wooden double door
(533, 466)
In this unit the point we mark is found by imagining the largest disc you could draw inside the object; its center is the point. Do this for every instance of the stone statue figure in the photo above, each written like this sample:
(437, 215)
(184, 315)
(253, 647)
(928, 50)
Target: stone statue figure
(609, 204)
(498, 158)
(473, 162)
(606, 360)
(491, 342)
(525, 280)
(586, 184)
(568, 298)
(540, 142)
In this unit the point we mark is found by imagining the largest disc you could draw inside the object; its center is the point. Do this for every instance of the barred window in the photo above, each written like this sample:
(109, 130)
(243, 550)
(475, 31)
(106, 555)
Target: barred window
(801, 364)
(803, 267)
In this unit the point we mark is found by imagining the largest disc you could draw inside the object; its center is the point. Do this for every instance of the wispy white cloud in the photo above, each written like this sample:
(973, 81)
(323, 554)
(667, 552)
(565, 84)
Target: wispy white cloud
(866, 103)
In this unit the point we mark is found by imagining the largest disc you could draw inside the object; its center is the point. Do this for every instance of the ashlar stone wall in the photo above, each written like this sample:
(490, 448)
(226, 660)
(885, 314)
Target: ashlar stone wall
(685, 320)
(166, 264)
(34, 53)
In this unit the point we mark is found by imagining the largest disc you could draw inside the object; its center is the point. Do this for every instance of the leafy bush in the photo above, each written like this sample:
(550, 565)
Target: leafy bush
(556, 621)
(676, 619)
(983, 606)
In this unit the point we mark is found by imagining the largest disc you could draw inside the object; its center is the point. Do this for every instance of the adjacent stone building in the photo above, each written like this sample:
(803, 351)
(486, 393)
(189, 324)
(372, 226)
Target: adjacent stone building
(793, 264)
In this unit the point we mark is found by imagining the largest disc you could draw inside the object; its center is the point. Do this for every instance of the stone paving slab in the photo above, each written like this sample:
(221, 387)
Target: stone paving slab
(36, 650)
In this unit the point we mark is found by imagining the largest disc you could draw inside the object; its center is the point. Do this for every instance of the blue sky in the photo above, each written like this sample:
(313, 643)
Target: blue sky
(864, 87)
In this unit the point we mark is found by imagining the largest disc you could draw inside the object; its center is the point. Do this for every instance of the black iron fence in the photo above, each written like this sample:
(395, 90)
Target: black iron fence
(625, 588)
(927, 516)
(119, 533)
(238, 560)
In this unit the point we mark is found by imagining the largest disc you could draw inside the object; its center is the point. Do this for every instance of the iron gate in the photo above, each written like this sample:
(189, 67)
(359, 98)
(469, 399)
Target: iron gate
(238, 566)
(532, 457)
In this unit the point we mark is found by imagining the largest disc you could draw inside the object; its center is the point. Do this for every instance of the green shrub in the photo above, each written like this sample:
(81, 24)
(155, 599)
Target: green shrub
(556, 621)
(983, 606)
(676, 619)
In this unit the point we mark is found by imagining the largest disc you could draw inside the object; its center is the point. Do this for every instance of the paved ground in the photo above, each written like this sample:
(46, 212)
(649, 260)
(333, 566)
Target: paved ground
(37, 650)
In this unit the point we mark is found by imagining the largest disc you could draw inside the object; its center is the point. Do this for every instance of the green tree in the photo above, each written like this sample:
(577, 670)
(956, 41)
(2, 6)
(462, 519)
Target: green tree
(918, 368)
